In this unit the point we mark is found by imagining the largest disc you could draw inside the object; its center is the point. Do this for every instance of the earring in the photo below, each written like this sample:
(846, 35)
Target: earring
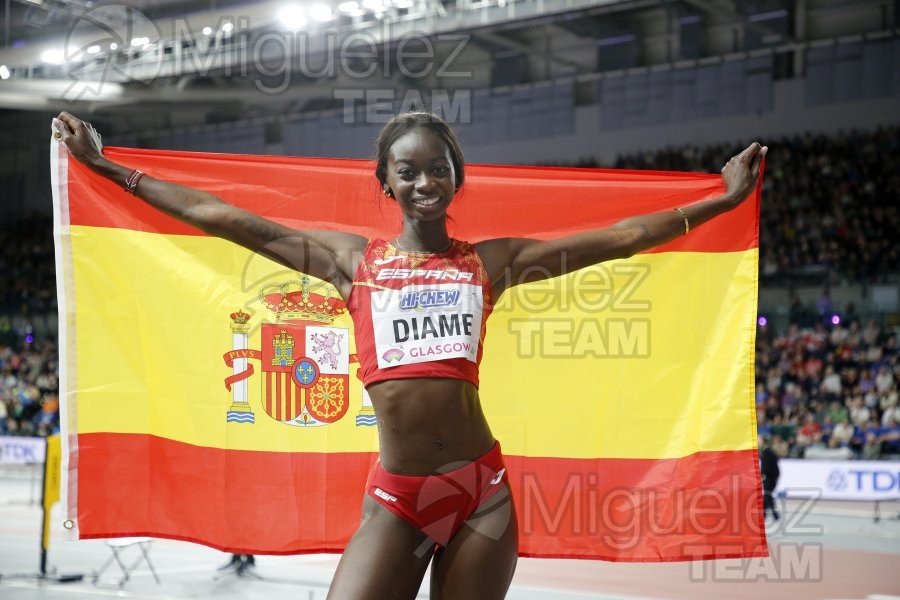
(387, 193)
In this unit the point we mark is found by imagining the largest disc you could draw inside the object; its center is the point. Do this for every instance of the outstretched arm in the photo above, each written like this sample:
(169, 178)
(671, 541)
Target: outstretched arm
(323, 254)
(512, 261)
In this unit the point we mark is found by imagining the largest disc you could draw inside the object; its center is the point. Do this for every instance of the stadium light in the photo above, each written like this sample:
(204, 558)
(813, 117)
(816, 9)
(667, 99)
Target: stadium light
(53, 57)
(351, 8)
(113, 46)
(4, 72)
(227, 27)
(95, 49)
(292, 17)
(139, 41)
(207, 30)
(321, 13)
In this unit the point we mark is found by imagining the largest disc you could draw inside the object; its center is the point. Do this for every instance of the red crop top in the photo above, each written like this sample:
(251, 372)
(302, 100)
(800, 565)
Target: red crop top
(419, 314)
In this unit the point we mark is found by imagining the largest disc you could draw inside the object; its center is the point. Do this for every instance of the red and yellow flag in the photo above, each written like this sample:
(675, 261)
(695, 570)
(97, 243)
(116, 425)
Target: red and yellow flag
(622, 393)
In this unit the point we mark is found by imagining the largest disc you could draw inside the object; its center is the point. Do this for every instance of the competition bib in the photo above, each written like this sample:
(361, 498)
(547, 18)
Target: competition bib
(427, 322)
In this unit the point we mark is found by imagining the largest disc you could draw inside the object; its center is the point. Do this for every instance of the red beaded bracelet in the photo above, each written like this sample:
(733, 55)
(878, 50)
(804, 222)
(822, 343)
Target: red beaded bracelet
(132, 180)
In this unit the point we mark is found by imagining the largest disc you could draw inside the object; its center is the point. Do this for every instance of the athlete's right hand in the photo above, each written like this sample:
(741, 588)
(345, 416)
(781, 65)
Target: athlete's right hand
(79, 137)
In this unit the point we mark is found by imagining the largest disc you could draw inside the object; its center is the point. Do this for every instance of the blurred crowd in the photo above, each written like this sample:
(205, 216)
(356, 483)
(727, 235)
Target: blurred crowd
(831, 204)
(29, 404)
(829, 387)
(29, 388)
(831, 212)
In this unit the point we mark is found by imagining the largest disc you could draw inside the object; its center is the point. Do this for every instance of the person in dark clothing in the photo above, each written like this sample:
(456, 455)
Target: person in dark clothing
(240, 564)
(768, 463)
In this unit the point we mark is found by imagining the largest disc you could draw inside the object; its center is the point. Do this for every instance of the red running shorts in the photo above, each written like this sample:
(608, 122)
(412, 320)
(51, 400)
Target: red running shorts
(438, 505)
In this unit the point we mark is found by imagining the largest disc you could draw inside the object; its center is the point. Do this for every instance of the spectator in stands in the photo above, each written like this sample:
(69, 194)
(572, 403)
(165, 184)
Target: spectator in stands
(831, 382)
(866, 379)
(792, 394)
(884, 380)
(839, 335)
(888, 399)
(780, 446)
(47, 420)
(872, 447)
(892, 414)
(782, 431)
(891, 437)
(773, 409)
(859, 412)
(838, 412)
(762, 395)
(842, 434)
(799, 314)
(810, 434)
(871, 333)
(825, 307)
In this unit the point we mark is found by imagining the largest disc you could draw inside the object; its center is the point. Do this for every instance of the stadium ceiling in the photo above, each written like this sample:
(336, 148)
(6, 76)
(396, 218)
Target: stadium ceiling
(113, 54)
(728, 11)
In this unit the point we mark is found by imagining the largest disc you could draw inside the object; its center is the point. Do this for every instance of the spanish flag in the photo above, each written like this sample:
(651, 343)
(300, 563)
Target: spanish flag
(622, 393)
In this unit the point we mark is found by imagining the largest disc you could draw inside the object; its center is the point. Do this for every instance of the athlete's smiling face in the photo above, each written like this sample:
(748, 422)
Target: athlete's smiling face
(420, 175)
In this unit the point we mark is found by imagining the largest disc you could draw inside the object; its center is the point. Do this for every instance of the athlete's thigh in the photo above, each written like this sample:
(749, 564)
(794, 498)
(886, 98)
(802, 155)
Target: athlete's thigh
(386, 558)
(480, 560)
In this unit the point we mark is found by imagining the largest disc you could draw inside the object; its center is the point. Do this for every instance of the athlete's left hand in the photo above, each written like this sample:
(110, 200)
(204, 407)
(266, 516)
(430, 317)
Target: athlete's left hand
(741, 173)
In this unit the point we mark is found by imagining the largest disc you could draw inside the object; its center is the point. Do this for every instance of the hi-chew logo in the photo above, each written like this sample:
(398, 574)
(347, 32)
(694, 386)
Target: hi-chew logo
(428, 298)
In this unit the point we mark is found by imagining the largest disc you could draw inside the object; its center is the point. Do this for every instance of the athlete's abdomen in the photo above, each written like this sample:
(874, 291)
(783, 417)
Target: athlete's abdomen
(426, 424)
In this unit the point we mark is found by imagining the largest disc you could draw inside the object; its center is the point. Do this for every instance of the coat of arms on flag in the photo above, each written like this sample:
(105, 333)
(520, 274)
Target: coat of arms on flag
(305, 361)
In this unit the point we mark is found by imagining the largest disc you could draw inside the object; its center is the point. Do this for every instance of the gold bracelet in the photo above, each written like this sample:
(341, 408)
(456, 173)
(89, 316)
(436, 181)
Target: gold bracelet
(687, 225)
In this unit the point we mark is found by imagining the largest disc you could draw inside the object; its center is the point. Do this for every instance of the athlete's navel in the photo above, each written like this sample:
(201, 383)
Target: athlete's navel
(439, 444)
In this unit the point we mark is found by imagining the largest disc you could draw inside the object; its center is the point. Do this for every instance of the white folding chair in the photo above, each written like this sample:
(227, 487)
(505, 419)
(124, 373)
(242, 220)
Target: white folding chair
(119, 548)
